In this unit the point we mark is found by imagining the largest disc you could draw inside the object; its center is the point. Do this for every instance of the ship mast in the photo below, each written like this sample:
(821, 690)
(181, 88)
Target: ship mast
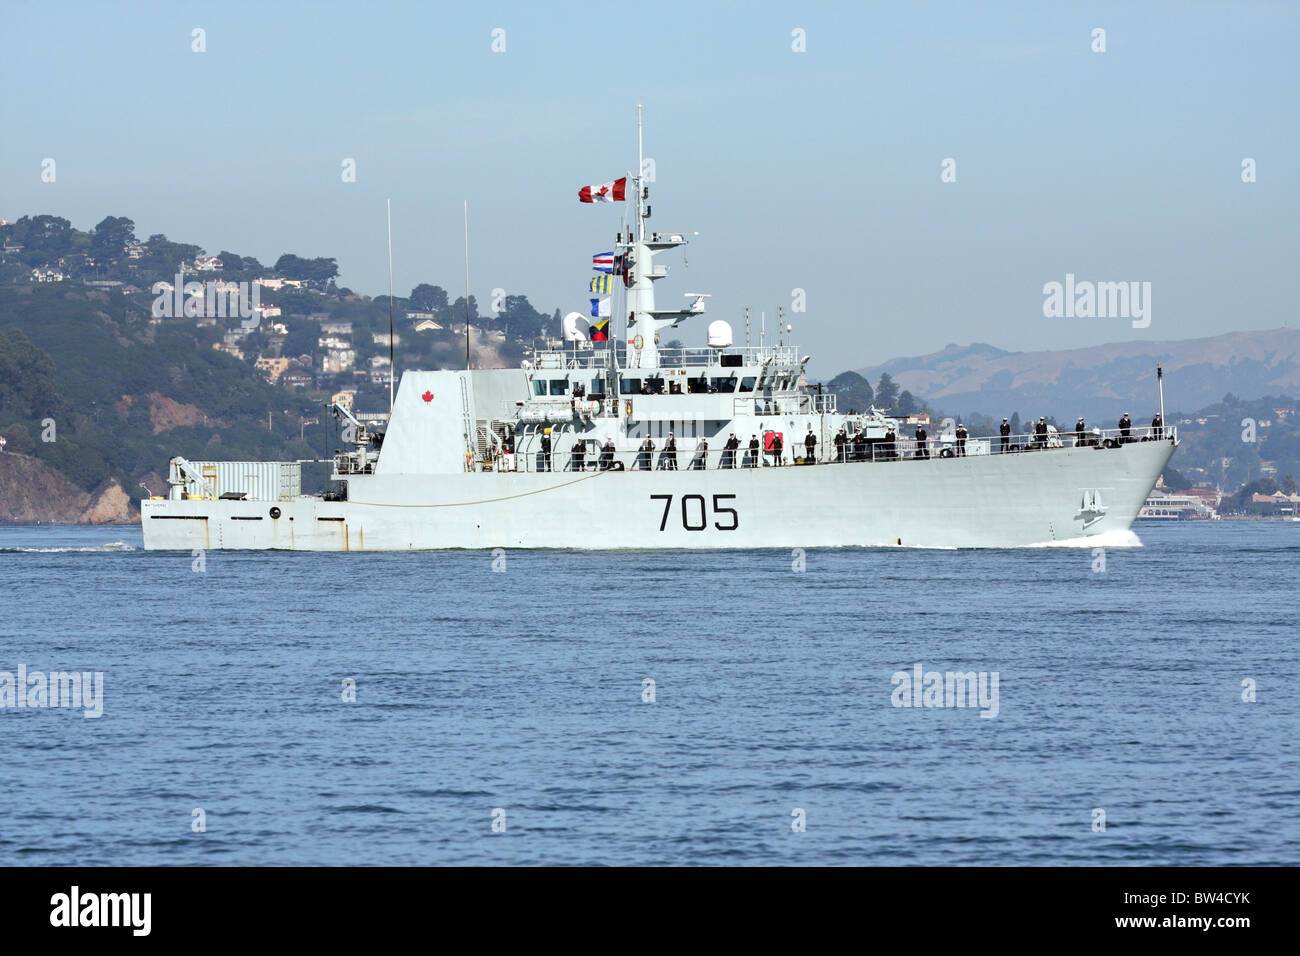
(644, 320)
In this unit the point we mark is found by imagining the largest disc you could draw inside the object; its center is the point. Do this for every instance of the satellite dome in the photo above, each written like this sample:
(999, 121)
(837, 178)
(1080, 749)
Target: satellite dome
(576, 327)
(719, 334)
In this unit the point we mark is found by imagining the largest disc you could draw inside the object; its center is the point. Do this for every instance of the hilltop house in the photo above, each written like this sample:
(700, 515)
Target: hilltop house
(269, 283)
(337, 360)
(426, 324)
(47, 274)
(272, 368)
(207, 264)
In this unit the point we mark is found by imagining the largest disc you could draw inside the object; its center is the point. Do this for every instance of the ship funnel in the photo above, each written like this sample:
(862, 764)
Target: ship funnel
(719, 334)
(576, 327)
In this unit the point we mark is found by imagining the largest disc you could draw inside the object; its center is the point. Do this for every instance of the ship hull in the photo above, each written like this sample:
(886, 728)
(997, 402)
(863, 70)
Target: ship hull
(984, 501)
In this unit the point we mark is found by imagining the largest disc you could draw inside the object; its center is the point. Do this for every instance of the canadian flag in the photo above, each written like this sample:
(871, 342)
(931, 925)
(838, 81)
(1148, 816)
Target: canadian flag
(605, 192)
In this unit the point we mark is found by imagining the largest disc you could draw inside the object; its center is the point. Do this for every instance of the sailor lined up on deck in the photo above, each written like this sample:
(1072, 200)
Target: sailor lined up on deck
(668, 458)
(752, 460)
(1005, 431)
(810, 447)
(729, 451)
(701, 455)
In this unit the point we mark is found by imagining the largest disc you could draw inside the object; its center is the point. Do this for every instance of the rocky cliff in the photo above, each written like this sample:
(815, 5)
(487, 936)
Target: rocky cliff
(33, 493)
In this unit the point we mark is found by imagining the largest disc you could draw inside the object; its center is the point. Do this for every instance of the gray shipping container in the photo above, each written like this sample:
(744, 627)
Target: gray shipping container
(259, 480)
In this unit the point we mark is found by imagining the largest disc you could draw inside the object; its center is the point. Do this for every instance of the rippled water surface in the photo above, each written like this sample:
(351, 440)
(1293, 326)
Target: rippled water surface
(523, 690)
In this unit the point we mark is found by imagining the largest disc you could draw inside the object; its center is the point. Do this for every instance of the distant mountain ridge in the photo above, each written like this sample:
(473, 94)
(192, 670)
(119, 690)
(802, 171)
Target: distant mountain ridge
(1104, 380)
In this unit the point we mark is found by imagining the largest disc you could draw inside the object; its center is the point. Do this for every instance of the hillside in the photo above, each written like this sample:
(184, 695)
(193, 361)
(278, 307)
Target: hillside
(1104, 381)
(103, 380)
(31, 492)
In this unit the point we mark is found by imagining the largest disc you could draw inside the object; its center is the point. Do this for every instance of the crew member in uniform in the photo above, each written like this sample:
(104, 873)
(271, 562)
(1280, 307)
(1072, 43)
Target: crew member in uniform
(647, 453)
(859, 446)
(1125, 425)
(729, 451)
(668, 460)
(607, 455)
(810, 448)
(579, 455)
(777, 448)
(961, 440)
(841, 439)
(701, 459)
(546, 451)
(752, 461)
(1157, 427)
(1005, 431)
(1079, 431)
(922, 448)
(1040, 433)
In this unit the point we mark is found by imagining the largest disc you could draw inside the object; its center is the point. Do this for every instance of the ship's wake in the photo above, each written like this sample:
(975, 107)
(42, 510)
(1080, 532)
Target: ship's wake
(111, 546)
(1107, 539)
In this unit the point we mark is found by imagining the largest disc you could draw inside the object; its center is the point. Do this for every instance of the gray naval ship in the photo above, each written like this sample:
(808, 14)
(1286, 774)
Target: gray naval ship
(623, 444)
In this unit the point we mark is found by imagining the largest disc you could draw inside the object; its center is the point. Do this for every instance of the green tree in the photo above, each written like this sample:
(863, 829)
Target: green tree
(317, 271)
(45, 238)
(428, 298)
(851, 391)
(886, 391)
(111, 237)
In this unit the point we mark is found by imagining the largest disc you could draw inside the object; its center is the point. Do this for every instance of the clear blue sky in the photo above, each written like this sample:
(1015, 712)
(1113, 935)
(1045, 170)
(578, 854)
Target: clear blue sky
(817, 170)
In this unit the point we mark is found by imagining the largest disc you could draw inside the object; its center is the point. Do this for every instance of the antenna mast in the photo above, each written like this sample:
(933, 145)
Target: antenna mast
(640, 186)
(391, 368)
(1160, 384)
(467, 285)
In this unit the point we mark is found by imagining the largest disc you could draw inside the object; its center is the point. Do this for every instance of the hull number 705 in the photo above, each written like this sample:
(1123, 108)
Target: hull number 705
(694, 512)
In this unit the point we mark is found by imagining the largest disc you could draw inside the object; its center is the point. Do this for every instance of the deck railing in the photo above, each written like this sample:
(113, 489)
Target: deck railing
(689, 457)
(598, 358)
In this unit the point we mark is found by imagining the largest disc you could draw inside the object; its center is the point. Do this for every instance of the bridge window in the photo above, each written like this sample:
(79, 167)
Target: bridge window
(630, 386)
(747, 383)
(559, 386)
(597, 387)
(539, 386)
(724, 384)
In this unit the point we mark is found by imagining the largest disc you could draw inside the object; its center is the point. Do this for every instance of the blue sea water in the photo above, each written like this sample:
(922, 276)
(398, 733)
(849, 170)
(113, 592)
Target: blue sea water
(522, 689)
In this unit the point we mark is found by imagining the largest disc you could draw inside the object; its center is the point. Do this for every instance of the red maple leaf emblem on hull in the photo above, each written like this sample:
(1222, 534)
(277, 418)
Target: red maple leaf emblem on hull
(427, 396)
